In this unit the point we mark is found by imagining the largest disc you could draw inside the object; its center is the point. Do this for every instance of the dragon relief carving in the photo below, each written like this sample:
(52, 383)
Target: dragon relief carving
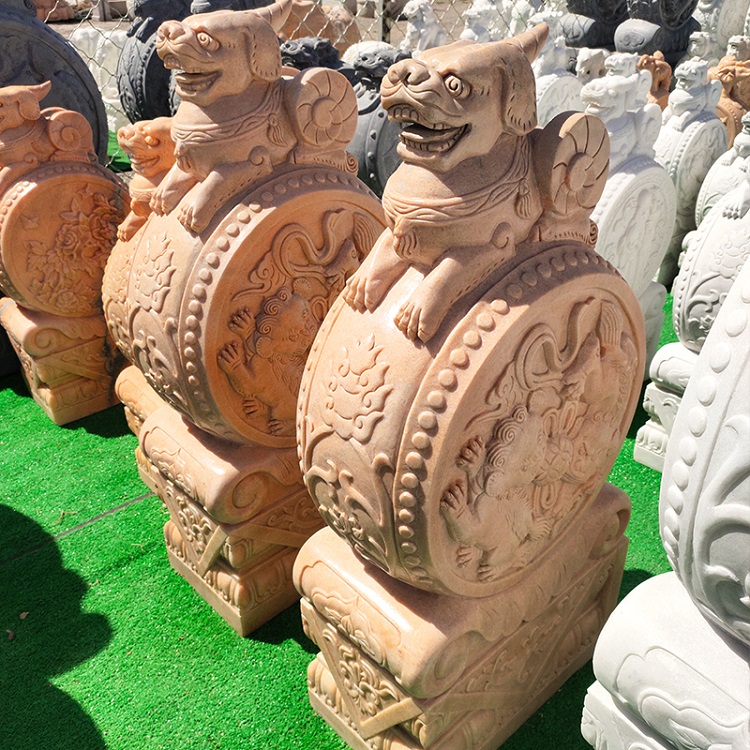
(473, 184)
(276, 318)
(537, 452)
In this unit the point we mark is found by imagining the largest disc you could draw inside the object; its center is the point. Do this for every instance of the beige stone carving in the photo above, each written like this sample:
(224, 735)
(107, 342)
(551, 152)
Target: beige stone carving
(149, 146)
(459, 411)
(59, 211)
(661, 77)
(734, 75)
(217, 298)
(53, 10)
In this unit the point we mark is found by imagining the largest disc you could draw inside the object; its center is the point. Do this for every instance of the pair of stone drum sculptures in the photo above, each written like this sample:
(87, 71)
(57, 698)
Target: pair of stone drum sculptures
(460, 406)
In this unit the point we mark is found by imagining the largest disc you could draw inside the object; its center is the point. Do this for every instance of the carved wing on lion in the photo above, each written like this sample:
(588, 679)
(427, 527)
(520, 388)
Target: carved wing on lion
(572, 165)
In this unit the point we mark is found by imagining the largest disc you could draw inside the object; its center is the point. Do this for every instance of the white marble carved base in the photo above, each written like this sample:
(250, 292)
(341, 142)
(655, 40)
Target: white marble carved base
(665, 674)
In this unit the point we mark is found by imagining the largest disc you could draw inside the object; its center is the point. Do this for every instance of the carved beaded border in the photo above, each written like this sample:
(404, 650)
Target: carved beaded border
(434, 399)
(209, 263)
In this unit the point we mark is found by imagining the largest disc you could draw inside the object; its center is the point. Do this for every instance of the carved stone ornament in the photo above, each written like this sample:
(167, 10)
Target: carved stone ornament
(142, 79)
(59, 211)
(661, 77)
(423, 30)
(461, 406)
(590, 64)
(672, 663)
(557, 90)
(592, 23)
(714, 256)
(375, 140)
(657, 25)
(33, 53)
(726, 173)
(53, 10)
(734, 76)
(636, 212)
(691, 139)
(720, 20)
(224, 271)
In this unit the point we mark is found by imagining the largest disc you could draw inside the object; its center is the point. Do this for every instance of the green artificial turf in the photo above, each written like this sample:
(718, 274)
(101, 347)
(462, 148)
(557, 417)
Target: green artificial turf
(102, 645)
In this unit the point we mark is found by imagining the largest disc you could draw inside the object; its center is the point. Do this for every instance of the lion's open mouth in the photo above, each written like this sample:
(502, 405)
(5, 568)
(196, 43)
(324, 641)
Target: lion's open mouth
(190, 79)
(420, 135)
(142, 162)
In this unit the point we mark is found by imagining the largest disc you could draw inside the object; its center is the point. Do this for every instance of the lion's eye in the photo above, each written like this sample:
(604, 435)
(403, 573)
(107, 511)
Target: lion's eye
(207, 41)
(457, 87)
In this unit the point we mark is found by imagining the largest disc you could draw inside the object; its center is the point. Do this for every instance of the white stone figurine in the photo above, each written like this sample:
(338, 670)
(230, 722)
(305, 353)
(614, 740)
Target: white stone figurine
(423, 30)
(702, 46)
(692, 137)
(636, 212)
(714, 256)
(738, 47)
(483, 22)
(590, 64)
(673, 661)
(726, 173)
(720, 20)
(557, 90)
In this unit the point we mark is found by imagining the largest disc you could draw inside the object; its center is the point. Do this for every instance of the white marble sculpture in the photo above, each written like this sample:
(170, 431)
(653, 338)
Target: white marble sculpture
(720, 20)
(557, 90)
(423, 30)
(100, 51)
(726, 173)
(673, 661)
(714, 256)
(636, 212)
(702, 46)
(738, 47)
(692, 137)
(590, 64)
(483, 22)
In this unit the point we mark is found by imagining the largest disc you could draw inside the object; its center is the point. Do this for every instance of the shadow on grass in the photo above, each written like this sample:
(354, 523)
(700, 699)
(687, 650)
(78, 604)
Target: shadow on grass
(109, 423)
(43, 633)
(15, 383)
(631, 579)
(286, 625)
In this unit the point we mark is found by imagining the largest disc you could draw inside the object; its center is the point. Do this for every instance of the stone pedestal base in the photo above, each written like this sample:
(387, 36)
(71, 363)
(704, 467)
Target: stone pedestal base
(665, 674)
(68, 363)
(238, 515)
(137, 396)
(405, 669)
(670, 372)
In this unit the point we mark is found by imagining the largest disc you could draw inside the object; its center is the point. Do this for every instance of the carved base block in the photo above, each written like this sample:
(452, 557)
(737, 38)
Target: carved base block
(137, 396)
(68, 363)
(405, 669)
(651, 445)
(667, 677)
(245, 600)
(607, 723)
(239, 514)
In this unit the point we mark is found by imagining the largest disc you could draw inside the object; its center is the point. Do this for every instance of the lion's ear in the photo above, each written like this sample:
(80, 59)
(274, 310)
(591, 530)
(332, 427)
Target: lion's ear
(518, 95)
(262, 50)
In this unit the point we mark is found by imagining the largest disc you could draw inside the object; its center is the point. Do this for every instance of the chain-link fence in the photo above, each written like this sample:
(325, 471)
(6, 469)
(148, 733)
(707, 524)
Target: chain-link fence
(98, 28)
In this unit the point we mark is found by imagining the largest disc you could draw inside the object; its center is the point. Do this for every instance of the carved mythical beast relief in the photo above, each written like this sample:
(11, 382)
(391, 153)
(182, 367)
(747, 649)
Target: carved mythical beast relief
(552, 416)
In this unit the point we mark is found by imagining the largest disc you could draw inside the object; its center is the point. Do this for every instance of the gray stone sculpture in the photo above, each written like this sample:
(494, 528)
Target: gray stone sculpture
(673, 661)
(376, 138)
(592, 23)
(657, 25)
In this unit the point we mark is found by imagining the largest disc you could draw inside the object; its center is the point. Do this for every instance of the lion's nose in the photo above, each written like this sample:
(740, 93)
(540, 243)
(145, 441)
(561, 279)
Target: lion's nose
(171, 30)
(410, 72)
